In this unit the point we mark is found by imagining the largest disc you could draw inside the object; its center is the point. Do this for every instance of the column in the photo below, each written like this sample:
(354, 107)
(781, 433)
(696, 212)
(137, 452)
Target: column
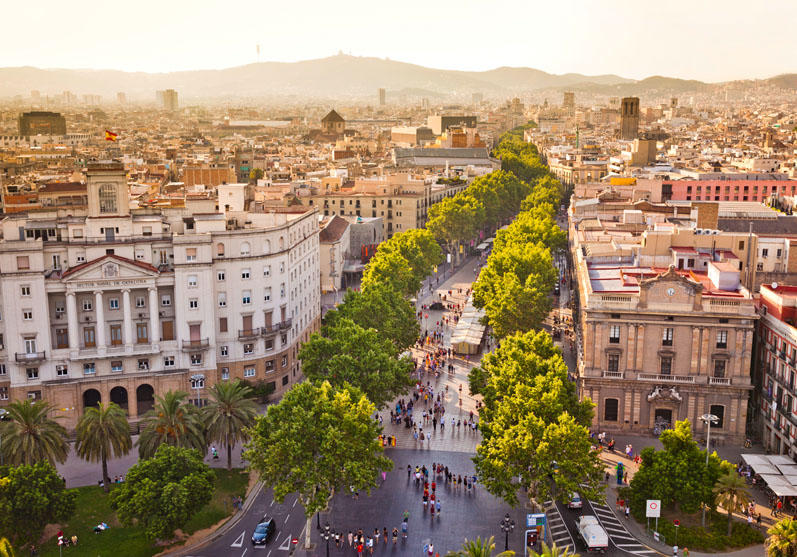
(100, 332)
(640, 364)
(127, 327)
(627, 407)
(630, 349)
(72, 323)
(637, 405)
(739, 353)
(704, 352)
(695, 355)
(154, 325)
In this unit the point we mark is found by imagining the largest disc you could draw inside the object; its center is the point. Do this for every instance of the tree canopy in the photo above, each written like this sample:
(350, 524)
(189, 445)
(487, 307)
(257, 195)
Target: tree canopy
(29, 435)
(173, 421)
(102, 433)
(162, 493)
(317, 440)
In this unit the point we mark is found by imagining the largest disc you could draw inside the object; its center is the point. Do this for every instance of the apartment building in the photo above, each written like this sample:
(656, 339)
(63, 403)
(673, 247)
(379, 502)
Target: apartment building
(109, 304)
(774, 403)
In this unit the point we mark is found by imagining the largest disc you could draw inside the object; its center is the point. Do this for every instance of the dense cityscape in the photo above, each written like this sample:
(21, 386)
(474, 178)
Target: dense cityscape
(360, 307)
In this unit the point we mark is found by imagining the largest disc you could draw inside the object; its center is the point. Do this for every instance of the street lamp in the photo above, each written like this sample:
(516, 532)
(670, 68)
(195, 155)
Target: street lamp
(507, 525)
(325, 533)
(707, 419)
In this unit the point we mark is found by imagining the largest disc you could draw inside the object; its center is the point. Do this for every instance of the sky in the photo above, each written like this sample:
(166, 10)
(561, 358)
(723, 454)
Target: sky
(710, 40)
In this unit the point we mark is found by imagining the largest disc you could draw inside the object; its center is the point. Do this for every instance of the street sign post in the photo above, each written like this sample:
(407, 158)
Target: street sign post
(653, 510)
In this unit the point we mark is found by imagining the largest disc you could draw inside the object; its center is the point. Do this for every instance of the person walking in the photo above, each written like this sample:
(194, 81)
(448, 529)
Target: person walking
(350, 538)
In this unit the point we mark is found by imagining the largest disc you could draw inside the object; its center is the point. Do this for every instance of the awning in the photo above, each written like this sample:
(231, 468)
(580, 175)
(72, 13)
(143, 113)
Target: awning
(765, 469)
(784, 490)
(753, 459)
(788, 469)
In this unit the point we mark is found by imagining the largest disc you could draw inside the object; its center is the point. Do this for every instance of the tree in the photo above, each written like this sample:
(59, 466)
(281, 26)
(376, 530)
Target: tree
(391, 268)
(732, 494)
(256, 174)
(479, 548)
(419, 248)
(317, 440)
(782, 540)
(173, 421)
(535, 227)
(677, 474)
(162, 493)
(29, 435)
(349, 353)
(103, 432)
(32, 496)
(552, 551)
(455, 220)
(382, 308)
(5, 548)
(228, 414)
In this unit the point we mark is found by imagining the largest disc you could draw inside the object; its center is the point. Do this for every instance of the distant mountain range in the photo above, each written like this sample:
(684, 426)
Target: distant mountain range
(338, 77)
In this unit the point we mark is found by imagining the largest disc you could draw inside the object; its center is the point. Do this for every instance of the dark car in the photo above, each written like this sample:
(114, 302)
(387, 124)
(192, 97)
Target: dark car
(436, 306)
(556, 290)
(264, 531)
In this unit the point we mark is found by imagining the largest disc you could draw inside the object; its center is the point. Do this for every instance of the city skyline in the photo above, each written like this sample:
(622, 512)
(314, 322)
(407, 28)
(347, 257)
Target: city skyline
(736, 42)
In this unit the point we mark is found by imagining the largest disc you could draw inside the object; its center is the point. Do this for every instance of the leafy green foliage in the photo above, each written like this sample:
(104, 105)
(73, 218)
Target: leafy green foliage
(532, 227)
(382, 308)
(455, 219)
(228, 412)
(714, 537)
(163, 492)
(103, 432)
(391, 268)
(732, 494)
(350, 354)
(32, 496)
(316, 441)
(29, 435)
(403, 261)
(782, 540)
(479, 548)
(173, 421)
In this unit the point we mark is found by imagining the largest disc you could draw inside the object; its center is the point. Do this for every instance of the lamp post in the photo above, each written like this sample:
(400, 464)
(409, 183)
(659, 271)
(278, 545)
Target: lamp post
(707, 419)
(325, 533)
(507, 525)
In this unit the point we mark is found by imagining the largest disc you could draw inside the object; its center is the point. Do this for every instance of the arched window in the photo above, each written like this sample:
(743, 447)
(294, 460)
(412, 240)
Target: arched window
(107, 198)
(245, 248)
(220, 249)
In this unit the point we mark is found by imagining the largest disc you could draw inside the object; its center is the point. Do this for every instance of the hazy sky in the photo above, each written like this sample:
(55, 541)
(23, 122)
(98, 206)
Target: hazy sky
(710, 40)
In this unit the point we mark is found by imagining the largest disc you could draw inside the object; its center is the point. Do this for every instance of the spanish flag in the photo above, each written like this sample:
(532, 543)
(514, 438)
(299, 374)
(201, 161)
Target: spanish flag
(110, 136)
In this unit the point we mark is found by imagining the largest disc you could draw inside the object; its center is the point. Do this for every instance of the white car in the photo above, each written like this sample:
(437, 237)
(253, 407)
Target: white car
(575, 501)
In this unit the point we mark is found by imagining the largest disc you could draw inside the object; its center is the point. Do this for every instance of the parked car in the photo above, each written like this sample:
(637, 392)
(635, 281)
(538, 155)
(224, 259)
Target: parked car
(575, 501)
(264, 531)
(592, 534)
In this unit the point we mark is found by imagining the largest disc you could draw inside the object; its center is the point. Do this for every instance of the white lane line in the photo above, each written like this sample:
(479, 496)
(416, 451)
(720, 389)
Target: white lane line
(286, 519)
(294, 502)
(245, 550)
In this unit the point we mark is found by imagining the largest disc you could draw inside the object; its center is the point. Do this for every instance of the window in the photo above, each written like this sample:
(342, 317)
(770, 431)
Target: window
(107, 196)
(113, 303)
(223, 350)
(614, 334)
(196, 359)
(222, 324)
(246, 297)
(3, 393)
(146, 231)
(741, 243)
(285, 380)
(27, 314)
(610, 409)
(116, 365)
(282, 267)
(166, 300)
(249, 371)
(284, 361)
(168, 361)
(666, 365)
(225, 374)
(722, 339)
(143, 364)
(32, 372)
(89, 369)
(222, 299)
(719, 411)
(116, 335)
(140, 302)
(25, 290)
(779, 253)
(87, 305)
(249, 348)
(2, 369)
(142, 333)
(245, 250)
(35, 395)
(22, 262)
(614, 362)
(89, 340)
(245, 274)
(267, 295)
(284, 339)
(193, 303)
(190, 254)
(220, 276)
(267, 271)
(77, 233)
(269, 345)
(167, 330)
(220, 250)
(719, 368)
(62, 338)
(192, 282)
(282, 290)
(666, 337)
(61, 370)
(764, 253)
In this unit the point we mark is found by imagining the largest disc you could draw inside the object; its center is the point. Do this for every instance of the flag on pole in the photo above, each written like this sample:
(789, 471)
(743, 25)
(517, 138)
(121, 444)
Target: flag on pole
(110, 136)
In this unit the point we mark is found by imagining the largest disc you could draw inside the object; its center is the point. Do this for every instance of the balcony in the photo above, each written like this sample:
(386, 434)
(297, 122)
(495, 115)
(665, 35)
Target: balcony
(270, 330)
(719, 380)
(665, 378)
(248, 334)
(29, 357)
(195, 345)
(283, 325)
(612, 374)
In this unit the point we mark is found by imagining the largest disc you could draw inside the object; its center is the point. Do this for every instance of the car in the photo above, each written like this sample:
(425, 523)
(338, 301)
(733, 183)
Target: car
(264, 531)
(437, 306)
(575, 501)
(556, 290)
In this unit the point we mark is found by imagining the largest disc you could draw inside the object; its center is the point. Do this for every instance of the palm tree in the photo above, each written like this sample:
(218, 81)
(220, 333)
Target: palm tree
(103, 432)
(553, 551)
(732, 494)
(5, 548)
(173, 421)
(782, 540)
(30, 436)
(228, 413)
(479, 548)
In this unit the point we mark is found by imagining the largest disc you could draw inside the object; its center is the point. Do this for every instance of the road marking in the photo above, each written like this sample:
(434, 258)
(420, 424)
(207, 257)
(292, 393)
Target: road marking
(272, 503)
(286, 545)
(239, 541)
(244, 553)
(294, 502)
(269, 553)
(286, 519)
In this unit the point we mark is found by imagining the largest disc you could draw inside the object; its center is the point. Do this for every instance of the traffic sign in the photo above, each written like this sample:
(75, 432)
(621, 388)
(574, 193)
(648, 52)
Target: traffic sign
(676, 523)
(653, 508)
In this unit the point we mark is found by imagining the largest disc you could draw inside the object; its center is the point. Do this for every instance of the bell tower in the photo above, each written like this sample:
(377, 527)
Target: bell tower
(106, 184)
